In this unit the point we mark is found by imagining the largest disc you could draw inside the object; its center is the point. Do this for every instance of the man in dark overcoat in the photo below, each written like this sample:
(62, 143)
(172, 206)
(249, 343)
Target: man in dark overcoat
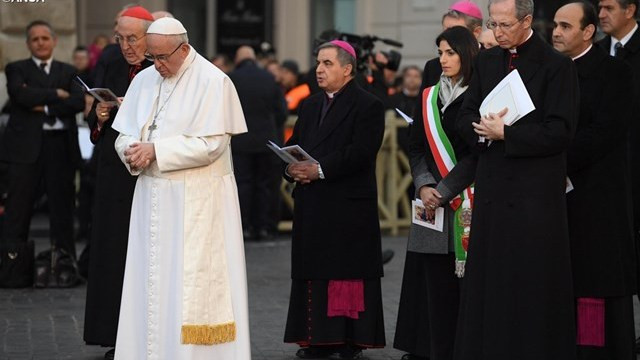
(602, 244)
(517, 299)
(618, 21)
(335, 307)
(114, 185)
(256, 167)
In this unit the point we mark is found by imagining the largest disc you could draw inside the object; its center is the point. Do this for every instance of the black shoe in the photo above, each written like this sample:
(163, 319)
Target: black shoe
(109, 355)
(315, 352)
(387, 255)
(347, 352)
(413, 357)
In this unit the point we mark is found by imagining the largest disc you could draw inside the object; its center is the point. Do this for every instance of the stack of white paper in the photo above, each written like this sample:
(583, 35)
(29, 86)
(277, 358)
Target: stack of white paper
(511, 94)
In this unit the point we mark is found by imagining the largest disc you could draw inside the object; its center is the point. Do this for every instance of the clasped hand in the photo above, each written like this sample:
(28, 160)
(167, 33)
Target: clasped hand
(491, 125)
(140, 155)
(431, 200)
(303, 173)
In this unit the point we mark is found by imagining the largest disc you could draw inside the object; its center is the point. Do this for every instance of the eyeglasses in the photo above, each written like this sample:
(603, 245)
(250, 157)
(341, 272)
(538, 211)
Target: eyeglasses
(161, 58)
(492, 25)
(131, 40)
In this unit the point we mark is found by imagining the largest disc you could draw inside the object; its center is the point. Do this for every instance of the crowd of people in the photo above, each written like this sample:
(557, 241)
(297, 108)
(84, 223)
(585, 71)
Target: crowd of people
(537, 254)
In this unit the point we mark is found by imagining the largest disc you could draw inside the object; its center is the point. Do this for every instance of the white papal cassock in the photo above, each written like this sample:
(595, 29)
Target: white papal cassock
(182, 203)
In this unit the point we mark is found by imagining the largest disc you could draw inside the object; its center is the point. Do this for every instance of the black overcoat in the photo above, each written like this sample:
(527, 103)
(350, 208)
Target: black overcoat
(600, 227)
(517, 299)
(631, 55)
(112, 210)
(336, 231)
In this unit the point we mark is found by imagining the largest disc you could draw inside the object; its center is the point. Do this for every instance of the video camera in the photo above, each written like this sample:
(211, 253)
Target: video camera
(363, 46)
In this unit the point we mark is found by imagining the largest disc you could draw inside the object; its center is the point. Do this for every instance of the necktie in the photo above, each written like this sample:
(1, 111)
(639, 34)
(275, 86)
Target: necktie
(43, 66)
(619, 49)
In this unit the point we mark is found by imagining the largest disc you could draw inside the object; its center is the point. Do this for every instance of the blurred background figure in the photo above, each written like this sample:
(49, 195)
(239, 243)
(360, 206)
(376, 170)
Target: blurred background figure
(95, 49)
(487, 39)
(80, 60)
(274, 68)
(223, 62)
(256, 167)
(160, 14)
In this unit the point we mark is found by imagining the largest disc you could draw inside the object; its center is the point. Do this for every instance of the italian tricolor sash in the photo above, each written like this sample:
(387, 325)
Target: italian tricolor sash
(445, 159)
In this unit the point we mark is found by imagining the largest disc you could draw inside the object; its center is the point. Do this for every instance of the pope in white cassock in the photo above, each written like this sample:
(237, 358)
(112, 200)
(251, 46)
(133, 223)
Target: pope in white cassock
(185, 289)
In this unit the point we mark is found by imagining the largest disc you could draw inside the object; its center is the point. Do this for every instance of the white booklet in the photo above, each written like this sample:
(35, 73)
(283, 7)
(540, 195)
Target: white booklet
(419, 216)
(291, 154)
(101, 94)
(405, 116)
(510, 93)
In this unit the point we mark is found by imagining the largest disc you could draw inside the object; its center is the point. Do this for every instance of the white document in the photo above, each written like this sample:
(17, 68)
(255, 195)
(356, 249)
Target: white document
(86, 146)
(419, 216)
(291, 154)
(405, 117)
(569, 186)
(510, 93)
(101, 94)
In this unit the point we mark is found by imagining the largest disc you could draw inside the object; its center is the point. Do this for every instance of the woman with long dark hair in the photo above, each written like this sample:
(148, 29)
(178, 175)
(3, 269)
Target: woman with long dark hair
(434, 264)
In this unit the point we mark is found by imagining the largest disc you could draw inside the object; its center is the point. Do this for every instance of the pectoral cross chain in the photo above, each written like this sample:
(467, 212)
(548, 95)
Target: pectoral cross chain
(151, 128)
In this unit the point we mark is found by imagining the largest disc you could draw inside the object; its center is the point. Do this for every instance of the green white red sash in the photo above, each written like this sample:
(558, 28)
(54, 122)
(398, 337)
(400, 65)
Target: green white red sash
(445, 159)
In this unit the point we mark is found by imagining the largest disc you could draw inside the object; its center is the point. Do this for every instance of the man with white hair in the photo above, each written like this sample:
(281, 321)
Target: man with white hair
(184, 293)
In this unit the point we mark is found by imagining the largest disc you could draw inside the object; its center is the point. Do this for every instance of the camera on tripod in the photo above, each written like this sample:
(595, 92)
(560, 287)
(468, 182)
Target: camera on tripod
(363, 45)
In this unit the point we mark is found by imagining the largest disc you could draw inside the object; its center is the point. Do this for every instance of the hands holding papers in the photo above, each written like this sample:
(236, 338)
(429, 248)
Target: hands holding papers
(491, 126)
(507, 103)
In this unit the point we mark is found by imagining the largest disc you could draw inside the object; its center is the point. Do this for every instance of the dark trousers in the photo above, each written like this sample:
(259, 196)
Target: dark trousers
(258, 177)
(430, 294)
(54, 169)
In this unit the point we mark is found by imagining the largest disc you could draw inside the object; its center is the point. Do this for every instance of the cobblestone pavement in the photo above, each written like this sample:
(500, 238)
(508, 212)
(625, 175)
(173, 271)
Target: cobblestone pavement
(48, 324)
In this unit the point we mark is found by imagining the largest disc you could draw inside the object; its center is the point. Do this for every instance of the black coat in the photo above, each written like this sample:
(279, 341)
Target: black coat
(29, 86)
(336, 230)
(263, 105)
(631, 55)
(517, 299)
(431, 73)
(602, 246)
(112, 209)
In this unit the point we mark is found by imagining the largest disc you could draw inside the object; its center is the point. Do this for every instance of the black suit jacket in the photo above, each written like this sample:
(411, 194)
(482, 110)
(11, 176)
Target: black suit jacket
(631, 55)
(336, 230)
(29, 86)
(263, 105)
(602, 246)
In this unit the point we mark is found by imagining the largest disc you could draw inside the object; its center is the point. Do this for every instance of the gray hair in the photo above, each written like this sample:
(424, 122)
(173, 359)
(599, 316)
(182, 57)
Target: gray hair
(523, 7)
(625, 4)
(344, 58)
(470, 22)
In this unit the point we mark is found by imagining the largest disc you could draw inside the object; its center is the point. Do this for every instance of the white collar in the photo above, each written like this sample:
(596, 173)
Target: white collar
(582, 54)
(38, 61)
(626, 38)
